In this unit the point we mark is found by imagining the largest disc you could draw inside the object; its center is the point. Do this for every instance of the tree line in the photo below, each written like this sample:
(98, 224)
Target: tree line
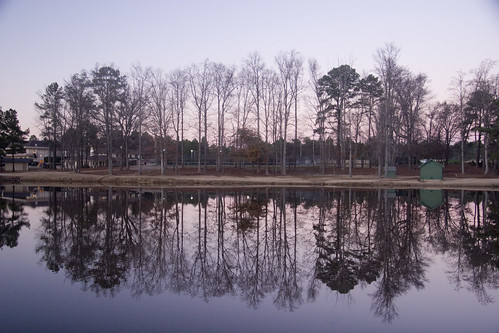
(259, 113)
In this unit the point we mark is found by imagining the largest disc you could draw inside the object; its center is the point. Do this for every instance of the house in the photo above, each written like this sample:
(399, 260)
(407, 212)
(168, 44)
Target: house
(37, 150)
(431, 170)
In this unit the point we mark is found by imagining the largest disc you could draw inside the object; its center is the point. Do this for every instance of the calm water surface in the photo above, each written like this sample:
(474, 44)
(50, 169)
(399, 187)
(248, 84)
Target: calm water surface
(266, 260)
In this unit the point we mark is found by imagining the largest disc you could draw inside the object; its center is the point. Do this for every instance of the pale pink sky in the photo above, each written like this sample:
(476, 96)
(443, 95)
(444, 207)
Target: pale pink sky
(47, 41)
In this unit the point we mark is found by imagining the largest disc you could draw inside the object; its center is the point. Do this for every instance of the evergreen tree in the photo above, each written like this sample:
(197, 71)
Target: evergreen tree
(50, 114)
(12, 138)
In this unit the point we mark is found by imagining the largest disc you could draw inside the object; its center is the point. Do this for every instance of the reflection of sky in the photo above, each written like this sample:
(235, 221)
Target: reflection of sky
(37, 299)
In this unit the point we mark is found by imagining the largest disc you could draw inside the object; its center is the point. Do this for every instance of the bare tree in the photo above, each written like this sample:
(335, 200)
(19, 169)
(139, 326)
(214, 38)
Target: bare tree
(410, 94)
(128, 115)
(140, 79)
(388, 71)
(271, 99)
(179, 94)
(255, 69)
(224, 85)
(459, 88)
(448, 118)
(159, 111)
(242, 109)
(200, 81)
(432, 127)
(289, 66)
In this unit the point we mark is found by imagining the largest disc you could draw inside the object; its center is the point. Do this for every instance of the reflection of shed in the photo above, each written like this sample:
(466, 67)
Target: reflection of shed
(390, 193)
(431, 170)
(431, 199)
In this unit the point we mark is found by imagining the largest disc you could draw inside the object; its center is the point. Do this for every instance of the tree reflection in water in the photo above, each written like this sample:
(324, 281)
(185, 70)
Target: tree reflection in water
(12, 219)
(269, 242)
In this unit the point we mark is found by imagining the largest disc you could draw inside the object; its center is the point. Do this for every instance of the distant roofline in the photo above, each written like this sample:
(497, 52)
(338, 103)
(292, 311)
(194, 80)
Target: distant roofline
(37, 144)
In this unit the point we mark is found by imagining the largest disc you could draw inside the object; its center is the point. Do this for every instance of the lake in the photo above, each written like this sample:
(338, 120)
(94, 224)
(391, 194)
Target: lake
(248, 260)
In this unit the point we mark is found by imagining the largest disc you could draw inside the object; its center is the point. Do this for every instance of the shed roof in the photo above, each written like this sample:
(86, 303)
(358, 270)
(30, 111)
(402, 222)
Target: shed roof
(430, 161)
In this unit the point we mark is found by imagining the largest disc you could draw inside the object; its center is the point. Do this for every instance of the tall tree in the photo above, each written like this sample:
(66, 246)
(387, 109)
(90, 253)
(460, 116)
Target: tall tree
(159, 111)
(255, 68)
(109, 87)
(319, 106)
(459, 88)
(12, 138)
(179, 93)
(80, 100)
(339, 88)
(201, 81)
(140, 78)
(242, 110)
(127, 118)
(297, 87)
(224, 85)
(271, 102)
(51, 116)
(371, 92)
(410, 94)
(389, 72)
(448, 118)
(289, 66)
(481, 106)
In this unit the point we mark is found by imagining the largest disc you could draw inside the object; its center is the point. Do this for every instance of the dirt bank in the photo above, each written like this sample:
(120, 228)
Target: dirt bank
(60, 178)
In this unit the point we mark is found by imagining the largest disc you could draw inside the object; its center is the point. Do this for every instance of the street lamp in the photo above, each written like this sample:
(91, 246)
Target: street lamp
(192, 153)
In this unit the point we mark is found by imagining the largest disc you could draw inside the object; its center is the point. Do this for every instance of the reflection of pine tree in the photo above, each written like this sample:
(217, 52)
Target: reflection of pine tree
(88, 233)
(12, 219)
(338, 266)
(403, 264)
(51, 247)
(320, 252)
(111, 262)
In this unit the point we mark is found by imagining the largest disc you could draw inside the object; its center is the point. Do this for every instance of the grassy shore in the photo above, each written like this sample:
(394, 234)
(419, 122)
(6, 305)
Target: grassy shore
(152, 178)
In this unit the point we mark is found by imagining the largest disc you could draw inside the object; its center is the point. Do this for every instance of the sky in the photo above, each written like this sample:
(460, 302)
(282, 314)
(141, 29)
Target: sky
(47, 41)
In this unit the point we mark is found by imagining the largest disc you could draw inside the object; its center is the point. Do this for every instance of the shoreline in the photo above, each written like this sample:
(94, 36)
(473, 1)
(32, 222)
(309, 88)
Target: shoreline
(70, 178)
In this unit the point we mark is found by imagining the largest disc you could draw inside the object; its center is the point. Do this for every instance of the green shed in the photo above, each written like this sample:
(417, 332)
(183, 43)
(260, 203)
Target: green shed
(431, 170)
(391, 171)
